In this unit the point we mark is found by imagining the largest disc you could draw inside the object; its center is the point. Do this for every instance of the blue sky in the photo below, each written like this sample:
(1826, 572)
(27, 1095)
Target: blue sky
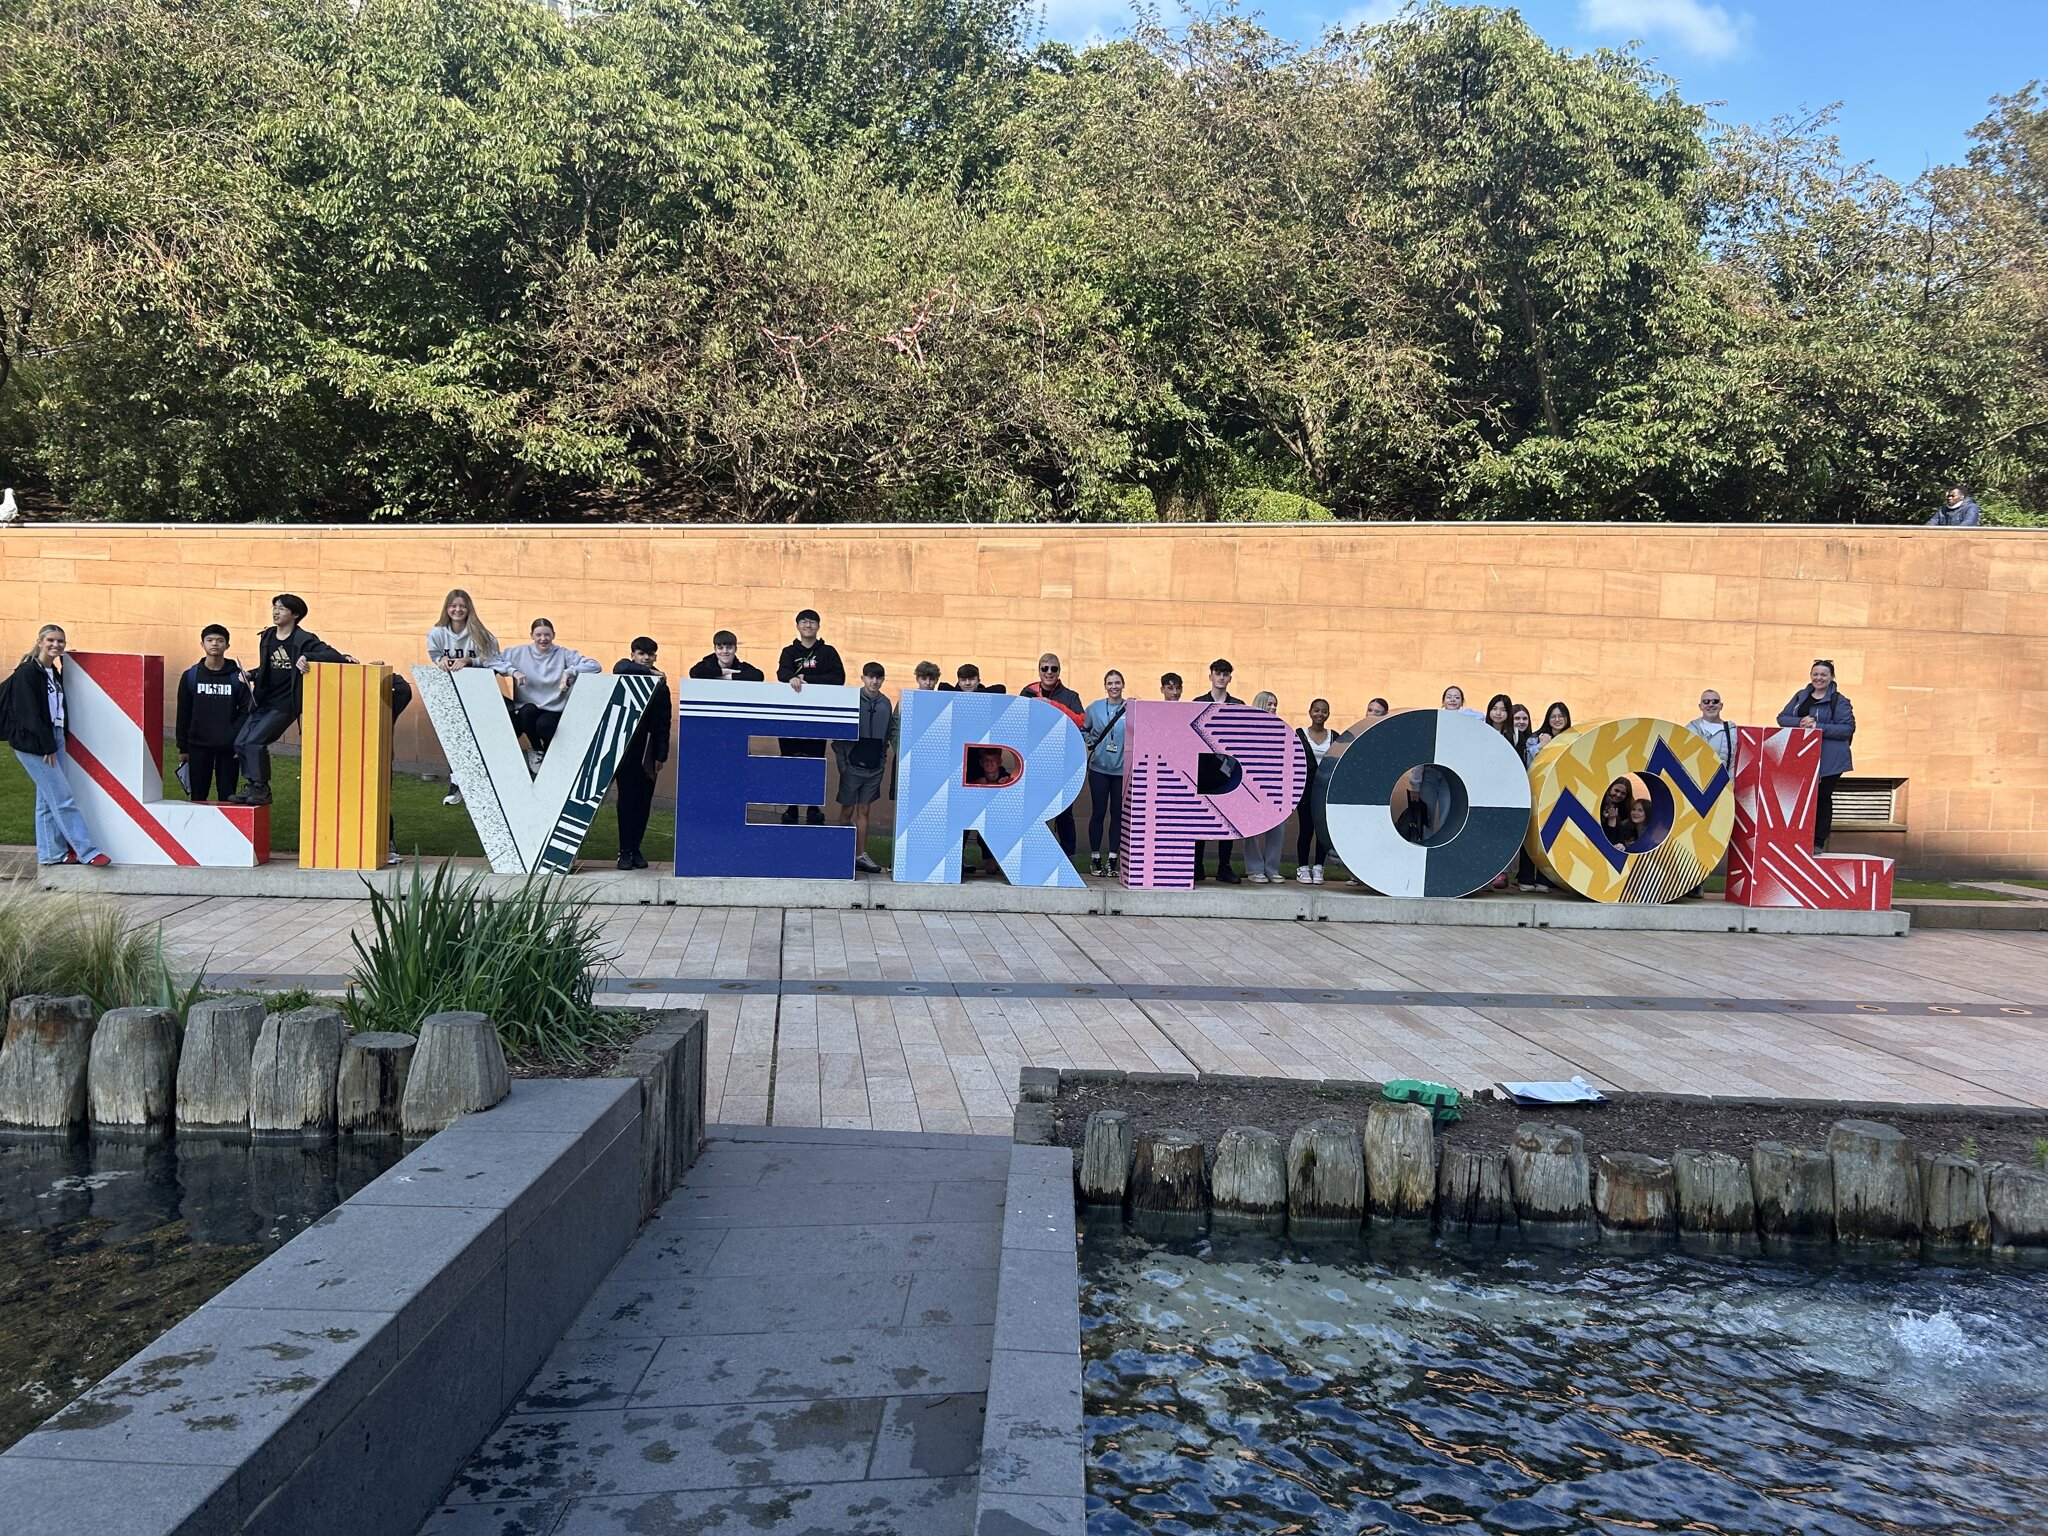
(1912, 81)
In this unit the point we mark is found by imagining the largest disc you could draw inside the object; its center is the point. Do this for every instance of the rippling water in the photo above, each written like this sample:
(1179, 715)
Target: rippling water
(1253, 1386)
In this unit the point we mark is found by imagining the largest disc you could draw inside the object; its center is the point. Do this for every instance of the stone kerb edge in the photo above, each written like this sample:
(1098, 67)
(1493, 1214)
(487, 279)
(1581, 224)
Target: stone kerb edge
(1033, 1453)
(341, 1383)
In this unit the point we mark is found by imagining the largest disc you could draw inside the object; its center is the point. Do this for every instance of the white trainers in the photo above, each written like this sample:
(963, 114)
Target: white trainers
(1256, 879)
(1301, 873)
(1315, 875)
(453, 797)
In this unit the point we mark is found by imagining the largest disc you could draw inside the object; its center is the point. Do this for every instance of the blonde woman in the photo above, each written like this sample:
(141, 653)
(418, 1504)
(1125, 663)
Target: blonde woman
(459, 639)
(32, 714)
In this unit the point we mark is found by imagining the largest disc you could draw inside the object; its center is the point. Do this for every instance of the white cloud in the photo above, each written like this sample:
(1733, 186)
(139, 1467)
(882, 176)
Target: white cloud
(1707, 31)
(1370, 14)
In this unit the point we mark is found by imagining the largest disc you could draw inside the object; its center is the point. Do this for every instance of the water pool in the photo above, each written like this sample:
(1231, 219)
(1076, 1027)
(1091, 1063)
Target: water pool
(105, 1244)
(1253, 1385)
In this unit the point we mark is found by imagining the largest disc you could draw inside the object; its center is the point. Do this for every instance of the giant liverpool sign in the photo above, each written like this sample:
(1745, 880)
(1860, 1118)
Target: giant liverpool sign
(1194, 771)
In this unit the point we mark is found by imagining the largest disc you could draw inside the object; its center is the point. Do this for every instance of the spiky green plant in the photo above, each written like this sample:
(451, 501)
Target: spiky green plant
(527, 959)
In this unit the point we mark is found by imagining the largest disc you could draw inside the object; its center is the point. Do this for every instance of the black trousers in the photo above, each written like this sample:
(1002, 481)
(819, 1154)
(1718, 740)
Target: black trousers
(636, 803)
(1308, 841)
(211, 767)
(1105, 802)
(1223, 853)
(1824, 811)
(537, 725)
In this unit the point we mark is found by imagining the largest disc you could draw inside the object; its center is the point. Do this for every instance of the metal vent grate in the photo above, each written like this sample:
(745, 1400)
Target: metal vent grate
(1871, 805)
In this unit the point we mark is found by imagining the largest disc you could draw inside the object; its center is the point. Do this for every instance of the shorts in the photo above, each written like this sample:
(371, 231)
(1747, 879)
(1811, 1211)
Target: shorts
(859, 787)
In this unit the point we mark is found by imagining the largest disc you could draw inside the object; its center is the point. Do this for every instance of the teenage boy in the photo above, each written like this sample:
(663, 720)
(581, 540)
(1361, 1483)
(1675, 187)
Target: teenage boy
(1219, 693)
(927, 677)
(807, 659)
(276, 690)
(640, 764)
(861, 762)
(968, 680)
(724, 664)
(1170, 687)
(1067, 702)
(213, 701)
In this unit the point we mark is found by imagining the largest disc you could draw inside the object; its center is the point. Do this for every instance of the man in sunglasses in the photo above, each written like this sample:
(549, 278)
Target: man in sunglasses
(1067, 702)
(1718, 734)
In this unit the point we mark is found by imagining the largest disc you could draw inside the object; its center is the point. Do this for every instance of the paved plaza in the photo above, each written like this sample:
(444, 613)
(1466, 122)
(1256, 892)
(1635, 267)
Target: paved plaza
(799, 1341)
(919, 1021)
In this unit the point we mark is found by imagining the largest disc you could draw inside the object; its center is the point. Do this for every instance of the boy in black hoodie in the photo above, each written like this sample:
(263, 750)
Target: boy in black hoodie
(277, 690)
(724, 664)
(640, 764)
(213, 701)
(807, 659)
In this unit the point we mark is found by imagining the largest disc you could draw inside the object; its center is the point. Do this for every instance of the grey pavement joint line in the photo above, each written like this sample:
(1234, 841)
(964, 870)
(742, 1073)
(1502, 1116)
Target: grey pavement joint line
(1143, 992)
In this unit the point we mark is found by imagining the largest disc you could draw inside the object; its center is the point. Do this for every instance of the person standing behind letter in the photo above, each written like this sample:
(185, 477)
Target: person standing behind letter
(277, 690)
(807, 659)
(458, 639)
(724, 664)
(1049, 688)
(1820, 706)
(213, 701)
(1220, 673)
(640, 764)
(1103, 731)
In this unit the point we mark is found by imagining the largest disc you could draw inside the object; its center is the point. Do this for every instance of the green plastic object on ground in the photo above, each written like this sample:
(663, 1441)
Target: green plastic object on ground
(1440, 1097)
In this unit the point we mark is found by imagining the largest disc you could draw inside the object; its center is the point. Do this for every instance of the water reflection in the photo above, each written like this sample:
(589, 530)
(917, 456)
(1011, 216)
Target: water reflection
(105, 1243)
(1252, 1386)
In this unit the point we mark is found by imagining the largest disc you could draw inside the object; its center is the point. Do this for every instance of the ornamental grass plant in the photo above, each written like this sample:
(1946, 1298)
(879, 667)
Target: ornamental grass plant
(70, 945)
(527, 959)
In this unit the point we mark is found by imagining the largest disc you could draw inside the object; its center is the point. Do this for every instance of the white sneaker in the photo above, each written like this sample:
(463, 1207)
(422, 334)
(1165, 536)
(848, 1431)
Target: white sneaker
(533, 760)
(1256, 879)
(453, 797)
(1301, 873)
(1315, 875)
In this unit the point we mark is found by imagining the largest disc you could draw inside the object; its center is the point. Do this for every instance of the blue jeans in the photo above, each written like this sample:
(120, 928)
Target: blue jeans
(60, 827)
(252, 741)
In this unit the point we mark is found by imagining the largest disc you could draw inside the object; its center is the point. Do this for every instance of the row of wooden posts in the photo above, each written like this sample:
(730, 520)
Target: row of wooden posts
(1870, 1184)
(231, 1066)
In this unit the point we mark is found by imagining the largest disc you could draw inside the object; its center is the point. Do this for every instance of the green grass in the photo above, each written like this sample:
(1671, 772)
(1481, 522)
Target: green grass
(425, 825)
(2032, 885)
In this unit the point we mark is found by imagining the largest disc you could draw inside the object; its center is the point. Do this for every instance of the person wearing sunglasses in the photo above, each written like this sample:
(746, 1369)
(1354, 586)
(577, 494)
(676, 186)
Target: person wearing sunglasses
(1049, 688)
(1720, 735)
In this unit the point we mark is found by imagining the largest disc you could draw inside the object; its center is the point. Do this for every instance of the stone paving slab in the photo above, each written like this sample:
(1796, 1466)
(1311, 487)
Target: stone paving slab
(799, 1341)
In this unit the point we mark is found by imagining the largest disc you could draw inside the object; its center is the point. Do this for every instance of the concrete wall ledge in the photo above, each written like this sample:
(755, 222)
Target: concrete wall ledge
(338, 1385)
(1033, 1455)
(1291, 901)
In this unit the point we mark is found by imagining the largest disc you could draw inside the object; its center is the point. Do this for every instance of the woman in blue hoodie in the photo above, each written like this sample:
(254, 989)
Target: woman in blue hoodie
(1102, 728)
(1820, 706)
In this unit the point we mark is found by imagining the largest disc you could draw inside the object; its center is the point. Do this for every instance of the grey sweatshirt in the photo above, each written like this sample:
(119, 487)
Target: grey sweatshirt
(547, 677)
(462, 644)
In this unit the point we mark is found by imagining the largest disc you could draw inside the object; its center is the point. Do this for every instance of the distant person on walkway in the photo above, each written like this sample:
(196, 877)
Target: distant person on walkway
(1262, 850)
(459, 639)
(32, 714)
(647, 749)
(807, 659)
(724, 664)
(1220, 674)
(1820, 706)
(277, 690)
(542, 674)
(1102, 730)
(1316, 741)
(213, 701)
(967, 679)
(1049, 688)
(1958, 509)
(862, 760)
(1170, 687)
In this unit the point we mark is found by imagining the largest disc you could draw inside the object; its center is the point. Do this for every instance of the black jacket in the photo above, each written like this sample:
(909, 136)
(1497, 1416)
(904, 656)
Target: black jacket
(276, 682)
(26, 709)
(648, 749)
(211, 706)
(708, 670)
(984, 688)
(817, 663)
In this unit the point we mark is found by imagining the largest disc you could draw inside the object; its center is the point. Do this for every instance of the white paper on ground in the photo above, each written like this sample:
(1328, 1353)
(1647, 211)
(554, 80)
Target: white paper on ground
(1577, 1091)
